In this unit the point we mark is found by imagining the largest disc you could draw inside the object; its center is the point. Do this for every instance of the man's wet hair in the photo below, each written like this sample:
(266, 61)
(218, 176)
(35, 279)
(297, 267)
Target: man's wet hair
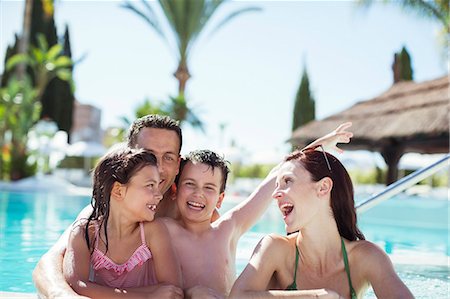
(209, 158)
(153, 121)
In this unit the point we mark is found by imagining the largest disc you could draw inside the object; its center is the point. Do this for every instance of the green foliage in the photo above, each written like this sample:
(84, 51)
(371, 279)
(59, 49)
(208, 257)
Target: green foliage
(251, 171)
(57, 97)
(177, 108)
(18, 112)
(20, 104)
(378, 175)
(367, 177)
(406, 71)
(46, 63)
(304, 107)
(77, 163)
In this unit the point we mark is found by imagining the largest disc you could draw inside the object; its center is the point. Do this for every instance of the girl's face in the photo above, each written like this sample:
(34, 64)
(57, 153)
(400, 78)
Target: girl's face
(295, 193)
(142, 193)
(198, 192)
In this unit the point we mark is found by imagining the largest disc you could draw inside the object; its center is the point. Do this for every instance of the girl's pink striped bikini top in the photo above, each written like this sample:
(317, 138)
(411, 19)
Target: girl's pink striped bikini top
(137, 271)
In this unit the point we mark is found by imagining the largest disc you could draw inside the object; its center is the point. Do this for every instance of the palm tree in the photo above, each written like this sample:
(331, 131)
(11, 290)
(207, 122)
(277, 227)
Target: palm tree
(186, 19)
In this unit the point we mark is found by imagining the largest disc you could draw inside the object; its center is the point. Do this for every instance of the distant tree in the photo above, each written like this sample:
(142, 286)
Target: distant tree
(57, 98)
(402, 66)
(304, 107)
(187, 19)
(20, 100)
(10, 51)
(177, 108)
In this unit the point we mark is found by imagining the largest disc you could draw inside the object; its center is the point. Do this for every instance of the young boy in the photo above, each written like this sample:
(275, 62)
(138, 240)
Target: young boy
(207, 250)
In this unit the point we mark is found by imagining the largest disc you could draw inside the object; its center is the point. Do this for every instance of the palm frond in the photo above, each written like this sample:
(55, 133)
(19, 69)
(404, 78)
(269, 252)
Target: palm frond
(150, 17)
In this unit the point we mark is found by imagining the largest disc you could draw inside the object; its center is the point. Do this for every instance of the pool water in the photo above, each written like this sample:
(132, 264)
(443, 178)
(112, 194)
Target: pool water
(412, 230)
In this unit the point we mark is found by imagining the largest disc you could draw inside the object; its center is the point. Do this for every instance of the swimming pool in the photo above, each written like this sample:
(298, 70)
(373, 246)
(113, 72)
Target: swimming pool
(412, 230)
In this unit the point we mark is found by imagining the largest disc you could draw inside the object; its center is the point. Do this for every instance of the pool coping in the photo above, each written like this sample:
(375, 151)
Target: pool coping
(17, 295)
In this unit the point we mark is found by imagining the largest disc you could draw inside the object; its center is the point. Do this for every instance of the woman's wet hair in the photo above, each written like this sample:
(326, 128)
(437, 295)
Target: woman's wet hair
(119, 165)
(342, 195)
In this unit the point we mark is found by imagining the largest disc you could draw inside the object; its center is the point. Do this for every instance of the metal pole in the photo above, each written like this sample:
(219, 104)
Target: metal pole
(403, 184)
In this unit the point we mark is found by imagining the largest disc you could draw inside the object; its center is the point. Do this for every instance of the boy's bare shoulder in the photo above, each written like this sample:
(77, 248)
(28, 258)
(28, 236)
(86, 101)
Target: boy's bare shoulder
(171, 224)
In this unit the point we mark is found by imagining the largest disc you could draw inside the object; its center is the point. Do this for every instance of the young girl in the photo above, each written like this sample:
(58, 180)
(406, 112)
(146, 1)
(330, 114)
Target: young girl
(120, 250)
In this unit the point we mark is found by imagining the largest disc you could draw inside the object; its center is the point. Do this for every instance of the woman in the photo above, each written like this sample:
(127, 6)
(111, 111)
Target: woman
(315, 196)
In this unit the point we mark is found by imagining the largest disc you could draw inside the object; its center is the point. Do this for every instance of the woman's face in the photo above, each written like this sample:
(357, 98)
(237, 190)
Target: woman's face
(295, 193)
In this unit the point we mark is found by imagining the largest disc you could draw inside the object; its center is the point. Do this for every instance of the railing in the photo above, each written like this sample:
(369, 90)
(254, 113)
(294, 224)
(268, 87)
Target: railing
(403, 184)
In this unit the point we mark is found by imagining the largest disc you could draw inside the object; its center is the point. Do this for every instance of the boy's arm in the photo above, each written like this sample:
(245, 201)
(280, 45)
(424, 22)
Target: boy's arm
(48, 273)
(244, 215)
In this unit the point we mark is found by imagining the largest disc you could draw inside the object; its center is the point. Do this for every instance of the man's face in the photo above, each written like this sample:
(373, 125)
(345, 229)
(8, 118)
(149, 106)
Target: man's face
(165, 145)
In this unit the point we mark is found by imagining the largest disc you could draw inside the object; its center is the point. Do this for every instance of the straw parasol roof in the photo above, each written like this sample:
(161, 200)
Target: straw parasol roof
(408, 117)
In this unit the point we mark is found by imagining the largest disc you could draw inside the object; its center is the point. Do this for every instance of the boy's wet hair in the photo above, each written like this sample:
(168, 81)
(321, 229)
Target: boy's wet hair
(118, 165)
(153, 121)
(209, 158)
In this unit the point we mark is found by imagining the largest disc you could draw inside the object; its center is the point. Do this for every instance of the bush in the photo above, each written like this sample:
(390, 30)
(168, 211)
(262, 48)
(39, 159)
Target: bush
(251, 171)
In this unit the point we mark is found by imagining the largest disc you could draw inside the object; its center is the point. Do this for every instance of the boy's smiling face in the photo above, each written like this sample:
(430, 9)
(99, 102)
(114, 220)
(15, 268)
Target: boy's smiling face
(198, 191)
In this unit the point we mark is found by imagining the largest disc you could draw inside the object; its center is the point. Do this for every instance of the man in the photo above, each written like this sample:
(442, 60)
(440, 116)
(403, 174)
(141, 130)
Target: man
(162, 136)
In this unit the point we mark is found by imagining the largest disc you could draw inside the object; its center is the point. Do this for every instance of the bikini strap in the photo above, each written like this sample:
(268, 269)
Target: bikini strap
(296, 264)
(347, 269)
(141, 225)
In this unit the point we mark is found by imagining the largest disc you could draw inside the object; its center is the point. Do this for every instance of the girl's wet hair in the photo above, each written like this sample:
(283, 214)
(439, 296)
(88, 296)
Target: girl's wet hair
(119, 165)
(342, 196)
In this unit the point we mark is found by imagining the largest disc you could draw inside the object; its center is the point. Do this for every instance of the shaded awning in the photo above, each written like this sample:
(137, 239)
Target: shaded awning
(408, 117)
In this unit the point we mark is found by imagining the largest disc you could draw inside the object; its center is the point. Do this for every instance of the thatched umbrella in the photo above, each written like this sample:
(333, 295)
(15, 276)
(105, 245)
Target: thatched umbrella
(408, 117)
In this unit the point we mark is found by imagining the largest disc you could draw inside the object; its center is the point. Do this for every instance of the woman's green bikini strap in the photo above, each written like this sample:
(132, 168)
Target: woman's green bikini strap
(347, 269)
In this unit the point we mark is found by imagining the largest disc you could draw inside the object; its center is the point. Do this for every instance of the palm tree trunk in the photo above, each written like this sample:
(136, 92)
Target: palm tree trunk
(182, 75)
(25, 40)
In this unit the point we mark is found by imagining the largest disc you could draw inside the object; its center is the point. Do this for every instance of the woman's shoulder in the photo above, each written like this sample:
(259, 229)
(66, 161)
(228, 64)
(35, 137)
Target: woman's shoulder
(367, 255)
(364, 248)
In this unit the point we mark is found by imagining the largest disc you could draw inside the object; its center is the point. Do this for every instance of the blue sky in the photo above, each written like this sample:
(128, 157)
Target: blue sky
(246, 74)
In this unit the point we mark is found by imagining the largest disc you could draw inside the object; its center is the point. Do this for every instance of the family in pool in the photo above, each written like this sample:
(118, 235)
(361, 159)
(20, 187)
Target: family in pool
(153, 230)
